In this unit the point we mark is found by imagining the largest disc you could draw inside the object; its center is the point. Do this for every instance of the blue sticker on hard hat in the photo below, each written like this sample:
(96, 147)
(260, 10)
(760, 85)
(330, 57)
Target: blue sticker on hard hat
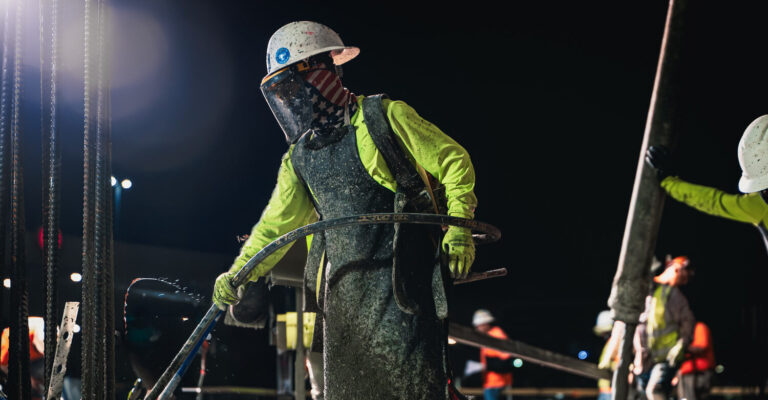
(282, 55)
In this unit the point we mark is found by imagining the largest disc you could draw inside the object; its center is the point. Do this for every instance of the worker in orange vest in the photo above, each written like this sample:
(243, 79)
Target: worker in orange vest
(697, 370)
(497, 370)
(36, 349)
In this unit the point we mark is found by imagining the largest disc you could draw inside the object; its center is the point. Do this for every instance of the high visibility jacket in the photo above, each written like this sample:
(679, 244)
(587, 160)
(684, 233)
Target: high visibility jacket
(290, 207)
(493, 379)
(36, 341)
(668, 318)
(705, 358)
(748, 208)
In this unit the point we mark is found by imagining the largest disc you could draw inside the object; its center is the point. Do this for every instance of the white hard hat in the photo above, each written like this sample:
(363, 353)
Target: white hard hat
(604, 323)
(753, 156)
(299, 40)
(482, 317)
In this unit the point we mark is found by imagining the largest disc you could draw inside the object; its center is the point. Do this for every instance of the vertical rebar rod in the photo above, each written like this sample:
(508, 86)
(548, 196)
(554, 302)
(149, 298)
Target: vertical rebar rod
(51, 173)
(631, 282)
(90, 347)
(5, 129)
(299, 377)
(103, 188)
(18, 364)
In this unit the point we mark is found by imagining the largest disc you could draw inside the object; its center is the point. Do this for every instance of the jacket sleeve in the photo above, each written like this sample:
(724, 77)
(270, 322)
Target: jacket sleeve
(289, 208)
(439, 155)
(681, 312)
(744, 208)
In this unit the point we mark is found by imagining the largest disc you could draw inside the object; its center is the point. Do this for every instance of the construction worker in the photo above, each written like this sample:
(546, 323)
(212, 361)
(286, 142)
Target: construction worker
(610, 355)
(698, 369)
(667, 324)
(496, 365)
(36, 354)
(750, 207)
(380, 339)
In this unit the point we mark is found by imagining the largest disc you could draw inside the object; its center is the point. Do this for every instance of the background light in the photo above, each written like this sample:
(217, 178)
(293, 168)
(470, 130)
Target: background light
(7, 282)
(126, 183)
(583, 355)
(76, 328)
(517, 363)
(113, 180)
(76, 277)
(451, 341)
(719, 369)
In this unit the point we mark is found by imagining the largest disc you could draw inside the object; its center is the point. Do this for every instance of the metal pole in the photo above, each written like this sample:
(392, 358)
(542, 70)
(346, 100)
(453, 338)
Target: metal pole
(5, 145)
(299, 377)
(631, 282)
(18, 364)
(90, 348)
(51, 173)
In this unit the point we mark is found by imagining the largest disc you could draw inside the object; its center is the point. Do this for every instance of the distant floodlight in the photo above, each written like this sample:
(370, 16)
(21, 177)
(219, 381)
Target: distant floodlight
(451, 341)
(583, 355)
(126, 183)
(517, 363)
(76, 277)
(76, 328)
(113, 180)
(184, 318)
(7, 282)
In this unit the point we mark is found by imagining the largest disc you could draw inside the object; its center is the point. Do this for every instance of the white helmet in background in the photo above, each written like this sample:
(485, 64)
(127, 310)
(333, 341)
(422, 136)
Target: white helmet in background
(604, 323)
(753, 156)
(482, 317)
(299, 40)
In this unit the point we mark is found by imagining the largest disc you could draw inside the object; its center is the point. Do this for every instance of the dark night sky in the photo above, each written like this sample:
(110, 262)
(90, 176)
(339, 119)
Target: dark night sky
(549, 98)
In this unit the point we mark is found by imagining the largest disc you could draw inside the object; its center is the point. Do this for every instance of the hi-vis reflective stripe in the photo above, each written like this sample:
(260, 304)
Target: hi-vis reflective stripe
(661, 336)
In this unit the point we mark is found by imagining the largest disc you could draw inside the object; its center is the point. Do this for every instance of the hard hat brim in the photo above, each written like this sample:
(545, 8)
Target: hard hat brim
(340, 56)
(747, 185)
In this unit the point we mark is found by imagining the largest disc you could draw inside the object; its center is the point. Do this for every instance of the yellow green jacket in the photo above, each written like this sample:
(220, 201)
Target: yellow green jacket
(748, 208)
(290, 206)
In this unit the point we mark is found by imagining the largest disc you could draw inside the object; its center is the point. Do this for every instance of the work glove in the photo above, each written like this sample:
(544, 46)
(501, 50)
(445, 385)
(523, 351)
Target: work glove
(224, 293)
(460, 249)
(676, 353)
(659, 158)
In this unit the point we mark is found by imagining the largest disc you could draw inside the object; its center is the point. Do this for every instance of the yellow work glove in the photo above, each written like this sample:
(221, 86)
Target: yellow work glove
(676, 353)
(224, 293)
(460, 249)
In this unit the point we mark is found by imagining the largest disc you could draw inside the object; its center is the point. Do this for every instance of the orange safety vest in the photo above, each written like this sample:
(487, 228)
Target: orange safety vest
(36, 332)
(705, 362)
(492, 379)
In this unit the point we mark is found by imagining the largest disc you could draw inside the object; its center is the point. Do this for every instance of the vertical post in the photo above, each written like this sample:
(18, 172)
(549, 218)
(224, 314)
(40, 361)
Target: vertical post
(631, 282)
(90, 348)
(5, 145)
(299, 376)
(48, 11)
(18, 364)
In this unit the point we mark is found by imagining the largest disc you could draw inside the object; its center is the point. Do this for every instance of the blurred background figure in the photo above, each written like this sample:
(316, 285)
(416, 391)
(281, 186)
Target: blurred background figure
(667, 327)
(497, 368)
(697, 371)
(36, 356)
(609, 358)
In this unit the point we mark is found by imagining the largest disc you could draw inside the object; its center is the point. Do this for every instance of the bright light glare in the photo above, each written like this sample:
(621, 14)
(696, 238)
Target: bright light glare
(113, 180)
(76, 328)
(184, 318)
(7, 282)
(126, 183)
(451, 341)
(517, 363)
(583, 355)
(76, 277)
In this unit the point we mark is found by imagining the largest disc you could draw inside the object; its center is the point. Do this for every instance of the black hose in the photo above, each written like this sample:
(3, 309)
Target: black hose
(172, 375)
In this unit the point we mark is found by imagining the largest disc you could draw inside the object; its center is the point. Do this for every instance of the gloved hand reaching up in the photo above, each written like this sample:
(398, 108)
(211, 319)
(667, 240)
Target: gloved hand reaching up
(460, 249)
(659, 158)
